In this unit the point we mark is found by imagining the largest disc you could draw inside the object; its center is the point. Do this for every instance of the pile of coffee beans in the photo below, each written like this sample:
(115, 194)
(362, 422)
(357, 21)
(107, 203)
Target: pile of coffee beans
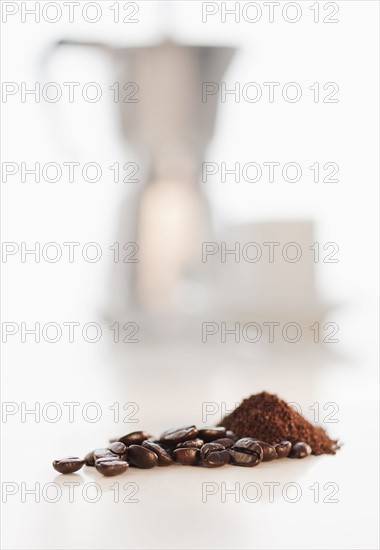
(266, 417)
(189, 446)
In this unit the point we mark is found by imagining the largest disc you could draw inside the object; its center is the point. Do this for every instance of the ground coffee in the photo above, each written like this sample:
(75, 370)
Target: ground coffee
(266, 417)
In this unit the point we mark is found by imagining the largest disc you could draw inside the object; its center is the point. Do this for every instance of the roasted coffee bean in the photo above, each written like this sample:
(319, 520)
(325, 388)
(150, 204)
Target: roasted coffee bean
(124, 456)
(107, 459)
(89, 459)
(111, 467)
(214, 455)
(168, 447)
(164, 458)
(283, 449)
(174, 436)
(300, 450)
(118, 448)
(194, 443)
(100, 453)
(208, 448)
(246, 452)
(177, 435)
(134, 438)
(269, 452)
(68, 465)
(142, 457)
(231, 435)
(188, 456)
(210, 434)
(225, 441)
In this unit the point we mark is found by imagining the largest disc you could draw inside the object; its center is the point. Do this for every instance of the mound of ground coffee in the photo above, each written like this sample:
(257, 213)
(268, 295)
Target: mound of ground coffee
(266, 417)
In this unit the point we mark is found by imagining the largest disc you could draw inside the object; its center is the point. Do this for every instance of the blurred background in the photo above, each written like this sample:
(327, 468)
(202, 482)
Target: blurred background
(186, 176)
(235, 132)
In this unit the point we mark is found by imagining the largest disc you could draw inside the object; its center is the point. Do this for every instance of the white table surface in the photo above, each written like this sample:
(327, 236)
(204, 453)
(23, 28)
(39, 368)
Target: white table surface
(169, 384)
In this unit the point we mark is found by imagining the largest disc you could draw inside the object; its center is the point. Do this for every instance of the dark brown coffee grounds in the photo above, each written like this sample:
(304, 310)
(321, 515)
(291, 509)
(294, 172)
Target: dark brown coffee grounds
(266, 417)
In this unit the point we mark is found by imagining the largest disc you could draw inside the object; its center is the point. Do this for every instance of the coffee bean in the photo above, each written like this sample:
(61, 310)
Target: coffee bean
(68, 465)
(164, 458)
(209, 434)
(188, 456)
(142, 457)
(118, 448)
(269, 452)
(107, 459)
(177, 435)
(111, 467)
(242, 458)
(100, 453)
(214, 455)
(89, 459)
(134, 438)
(168, 447)
(283, 449)
(194, 443)
(246, 452)
(225, 441)
(300, 450)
